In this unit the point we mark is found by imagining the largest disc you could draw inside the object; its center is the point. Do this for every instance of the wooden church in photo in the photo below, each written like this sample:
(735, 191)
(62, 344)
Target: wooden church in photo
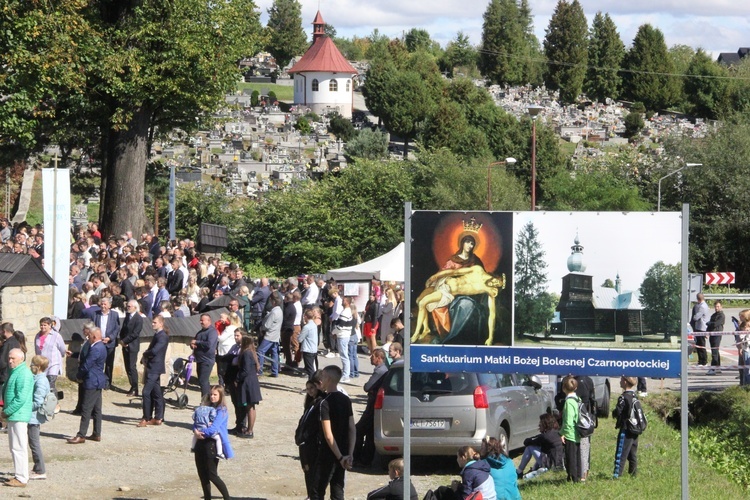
(588, 309)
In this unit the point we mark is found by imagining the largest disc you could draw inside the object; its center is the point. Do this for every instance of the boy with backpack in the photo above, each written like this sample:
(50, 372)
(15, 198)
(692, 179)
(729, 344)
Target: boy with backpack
(631, 421)
(569, 432)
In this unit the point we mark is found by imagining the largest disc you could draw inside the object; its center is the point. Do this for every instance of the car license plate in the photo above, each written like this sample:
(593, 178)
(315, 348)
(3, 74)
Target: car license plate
(429, 423)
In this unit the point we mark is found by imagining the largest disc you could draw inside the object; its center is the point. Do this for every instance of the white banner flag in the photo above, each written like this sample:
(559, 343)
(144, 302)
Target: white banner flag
(56, 190)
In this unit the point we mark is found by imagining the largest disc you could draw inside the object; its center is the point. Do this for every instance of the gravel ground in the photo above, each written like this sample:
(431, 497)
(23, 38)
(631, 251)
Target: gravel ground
(155, 462)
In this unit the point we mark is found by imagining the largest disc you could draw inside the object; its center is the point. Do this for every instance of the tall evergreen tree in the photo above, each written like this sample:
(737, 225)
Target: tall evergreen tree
(648, 69)
(459, 53)
(534, 304)
(417, 39)
(606, 52)
(532, 58)
(565, 48)
(504, 50)
(704, 87)
(286, 38)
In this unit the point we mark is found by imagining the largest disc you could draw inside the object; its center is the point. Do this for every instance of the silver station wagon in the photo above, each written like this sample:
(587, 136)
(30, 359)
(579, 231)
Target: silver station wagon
(450, 410)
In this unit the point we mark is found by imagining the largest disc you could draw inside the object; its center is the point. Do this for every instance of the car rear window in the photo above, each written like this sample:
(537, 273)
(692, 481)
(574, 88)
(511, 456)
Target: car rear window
(435, 383)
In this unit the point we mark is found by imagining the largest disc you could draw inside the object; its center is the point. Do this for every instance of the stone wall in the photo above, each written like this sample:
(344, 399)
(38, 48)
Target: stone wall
(24, 306)
(179, 347)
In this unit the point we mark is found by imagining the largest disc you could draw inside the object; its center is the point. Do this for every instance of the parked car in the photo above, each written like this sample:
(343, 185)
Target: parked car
(602, 391)
(450, 410)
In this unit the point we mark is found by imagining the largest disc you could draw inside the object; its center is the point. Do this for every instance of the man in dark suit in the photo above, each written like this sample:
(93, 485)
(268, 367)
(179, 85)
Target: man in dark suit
(154, 248)
(91, 375)
(144, 301)
(153, 360)
(9, 342)
(130, 338)
(126, 287)
(204, 350)
(109, 323)
(364, 448)
(161, 269)
(93, 309)
(175, 278)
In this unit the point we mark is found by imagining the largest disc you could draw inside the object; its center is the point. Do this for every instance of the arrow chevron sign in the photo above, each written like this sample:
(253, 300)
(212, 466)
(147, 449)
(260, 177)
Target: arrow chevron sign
(719, 278)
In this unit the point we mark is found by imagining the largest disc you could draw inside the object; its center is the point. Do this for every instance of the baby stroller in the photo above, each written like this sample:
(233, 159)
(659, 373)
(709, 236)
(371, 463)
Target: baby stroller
(182, 369)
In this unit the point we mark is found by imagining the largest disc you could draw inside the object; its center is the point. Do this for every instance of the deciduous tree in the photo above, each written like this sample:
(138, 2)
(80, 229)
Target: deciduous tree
(660, 297)
(411, 100)
(146, 66)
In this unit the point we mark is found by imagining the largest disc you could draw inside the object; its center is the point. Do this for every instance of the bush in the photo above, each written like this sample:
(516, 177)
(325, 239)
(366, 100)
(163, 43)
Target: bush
(722, 430)
(368, 144)
(341, 127)
(637, 107)
(313, 117)
(254, 98)
(303, 126)
(633, 124)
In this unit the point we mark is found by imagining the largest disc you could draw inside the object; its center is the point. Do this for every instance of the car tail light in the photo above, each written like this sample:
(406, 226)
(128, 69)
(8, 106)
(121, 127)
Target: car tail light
(480, 397)
(379, 399)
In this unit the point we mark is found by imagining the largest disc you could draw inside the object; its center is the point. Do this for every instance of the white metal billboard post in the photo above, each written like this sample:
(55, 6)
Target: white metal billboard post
(684, 351)
(407, 349)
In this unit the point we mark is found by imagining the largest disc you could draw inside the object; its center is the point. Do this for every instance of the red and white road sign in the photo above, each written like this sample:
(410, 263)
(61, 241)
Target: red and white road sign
(719, 278)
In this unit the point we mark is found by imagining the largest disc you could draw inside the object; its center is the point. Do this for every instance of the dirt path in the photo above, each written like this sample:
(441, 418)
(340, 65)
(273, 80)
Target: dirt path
(155, 462)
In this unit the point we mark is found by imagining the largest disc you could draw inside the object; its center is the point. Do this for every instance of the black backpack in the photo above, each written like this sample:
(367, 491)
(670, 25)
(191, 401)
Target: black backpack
(636, 422)
(586, 423)
(308, 427)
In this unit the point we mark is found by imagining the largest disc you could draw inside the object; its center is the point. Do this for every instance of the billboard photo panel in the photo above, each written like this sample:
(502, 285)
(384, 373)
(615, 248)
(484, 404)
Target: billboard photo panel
(582, 286)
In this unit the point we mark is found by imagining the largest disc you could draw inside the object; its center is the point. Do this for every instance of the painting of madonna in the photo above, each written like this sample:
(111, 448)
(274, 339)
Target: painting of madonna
(459, 302)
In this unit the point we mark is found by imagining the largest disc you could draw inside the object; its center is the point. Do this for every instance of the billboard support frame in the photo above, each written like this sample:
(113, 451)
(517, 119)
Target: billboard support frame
(407, 350)
(684, 352)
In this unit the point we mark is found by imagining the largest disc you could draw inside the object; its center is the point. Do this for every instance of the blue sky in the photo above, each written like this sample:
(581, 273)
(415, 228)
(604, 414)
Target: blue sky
(714, 25)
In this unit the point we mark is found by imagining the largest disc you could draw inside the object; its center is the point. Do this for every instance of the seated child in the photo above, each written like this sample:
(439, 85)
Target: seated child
(203, 417)
(546, 448)
(394, 490)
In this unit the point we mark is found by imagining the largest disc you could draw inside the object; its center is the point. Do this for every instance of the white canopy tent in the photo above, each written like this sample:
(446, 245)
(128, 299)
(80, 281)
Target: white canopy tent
(387, 267)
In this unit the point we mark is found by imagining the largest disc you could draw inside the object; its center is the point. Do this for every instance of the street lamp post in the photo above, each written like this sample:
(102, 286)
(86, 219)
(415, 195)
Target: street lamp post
(507, 161)
(533, 113)
(658, 200)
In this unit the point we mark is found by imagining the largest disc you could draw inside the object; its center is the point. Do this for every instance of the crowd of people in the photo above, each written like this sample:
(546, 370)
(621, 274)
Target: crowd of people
(270, 328)
(22, 238)
(29, 397)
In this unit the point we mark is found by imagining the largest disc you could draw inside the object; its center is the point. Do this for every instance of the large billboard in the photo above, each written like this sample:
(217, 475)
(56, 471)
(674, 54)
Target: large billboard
(546, 292)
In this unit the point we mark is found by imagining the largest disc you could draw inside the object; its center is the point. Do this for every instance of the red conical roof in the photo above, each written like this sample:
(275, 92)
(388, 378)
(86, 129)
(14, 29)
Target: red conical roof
(323, 55)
